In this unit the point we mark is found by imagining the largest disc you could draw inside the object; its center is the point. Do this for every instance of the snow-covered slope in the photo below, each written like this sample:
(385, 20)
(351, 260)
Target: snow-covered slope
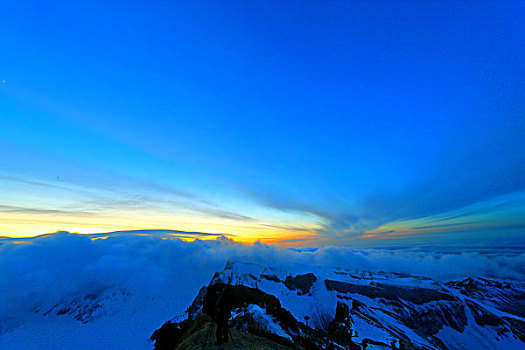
(388, 309)
(114, 319)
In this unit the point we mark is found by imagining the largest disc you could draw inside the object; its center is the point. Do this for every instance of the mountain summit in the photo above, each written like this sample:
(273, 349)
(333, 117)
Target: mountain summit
(321, 308)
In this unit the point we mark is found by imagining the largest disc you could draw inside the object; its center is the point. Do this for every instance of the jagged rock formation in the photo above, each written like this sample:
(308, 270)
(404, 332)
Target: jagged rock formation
(256, 317)
(314, 308)
(201, 335)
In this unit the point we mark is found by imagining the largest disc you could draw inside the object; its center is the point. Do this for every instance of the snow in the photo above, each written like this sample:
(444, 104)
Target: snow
(320, 301)
(476, 337)
(266, 321)
(129, 326)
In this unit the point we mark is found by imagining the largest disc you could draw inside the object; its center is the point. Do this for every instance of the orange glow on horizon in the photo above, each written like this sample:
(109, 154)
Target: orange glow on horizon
(23, 225)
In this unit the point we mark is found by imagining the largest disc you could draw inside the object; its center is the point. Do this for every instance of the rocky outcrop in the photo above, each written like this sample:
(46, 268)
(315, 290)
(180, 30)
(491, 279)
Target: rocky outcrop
(247, 329)
(362, 310)
(380, 290)
(300, 283)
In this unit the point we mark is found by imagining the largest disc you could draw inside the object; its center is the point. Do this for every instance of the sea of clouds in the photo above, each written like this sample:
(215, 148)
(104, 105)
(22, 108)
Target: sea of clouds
(47, 269)
(63, 263)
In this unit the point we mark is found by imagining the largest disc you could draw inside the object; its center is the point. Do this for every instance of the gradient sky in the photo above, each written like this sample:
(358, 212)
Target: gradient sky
(303, 123)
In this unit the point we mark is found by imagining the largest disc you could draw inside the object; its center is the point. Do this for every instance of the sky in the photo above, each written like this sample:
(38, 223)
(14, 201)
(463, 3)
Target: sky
(303, 124)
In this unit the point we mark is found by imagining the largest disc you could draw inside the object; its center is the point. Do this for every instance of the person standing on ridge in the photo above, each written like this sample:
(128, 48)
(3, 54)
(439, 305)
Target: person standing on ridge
(223, 316)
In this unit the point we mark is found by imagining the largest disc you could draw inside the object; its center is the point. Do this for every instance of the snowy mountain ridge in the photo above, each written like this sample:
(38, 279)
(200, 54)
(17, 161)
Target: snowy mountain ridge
(387, 310)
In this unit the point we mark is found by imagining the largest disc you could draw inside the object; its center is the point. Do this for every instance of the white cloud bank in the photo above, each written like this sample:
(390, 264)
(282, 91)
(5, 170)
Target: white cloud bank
(164, 275)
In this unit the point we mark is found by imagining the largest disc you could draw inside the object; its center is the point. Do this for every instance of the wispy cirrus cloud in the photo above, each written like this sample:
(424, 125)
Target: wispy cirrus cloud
(479, 190)
(23, 210)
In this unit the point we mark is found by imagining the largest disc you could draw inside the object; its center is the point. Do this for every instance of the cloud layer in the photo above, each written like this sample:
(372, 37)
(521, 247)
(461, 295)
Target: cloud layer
(163, 275)
(62, 263)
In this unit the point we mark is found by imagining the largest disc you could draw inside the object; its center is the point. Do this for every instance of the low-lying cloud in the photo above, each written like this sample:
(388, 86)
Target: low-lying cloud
(47, 269)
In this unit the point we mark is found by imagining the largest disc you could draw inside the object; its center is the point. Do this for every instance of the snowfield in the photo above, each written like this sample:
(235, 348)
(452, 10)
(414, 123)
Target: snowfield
(432, 313)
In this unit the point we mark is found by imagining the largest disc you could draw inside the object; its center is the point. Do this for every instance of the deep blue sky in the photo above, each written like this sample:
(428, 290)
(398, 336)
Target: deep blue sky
(313, 122)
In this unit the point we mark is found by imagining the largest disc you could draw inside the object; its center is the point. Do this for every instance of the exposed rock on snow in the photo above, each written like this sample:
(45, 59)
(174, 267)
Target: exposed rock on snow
(357, 309)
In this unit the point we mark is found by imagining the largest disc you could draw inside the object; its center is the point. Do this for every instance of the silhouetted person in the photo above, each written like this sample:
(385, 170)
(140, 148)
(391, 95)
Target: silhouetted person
(223, 315)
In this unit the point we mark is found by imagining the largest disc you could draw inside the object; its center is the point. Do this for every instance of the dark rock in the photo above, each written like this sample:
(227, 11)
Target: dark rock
(301, 283)
(484, 317)
(270, 277)
(380, 290)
